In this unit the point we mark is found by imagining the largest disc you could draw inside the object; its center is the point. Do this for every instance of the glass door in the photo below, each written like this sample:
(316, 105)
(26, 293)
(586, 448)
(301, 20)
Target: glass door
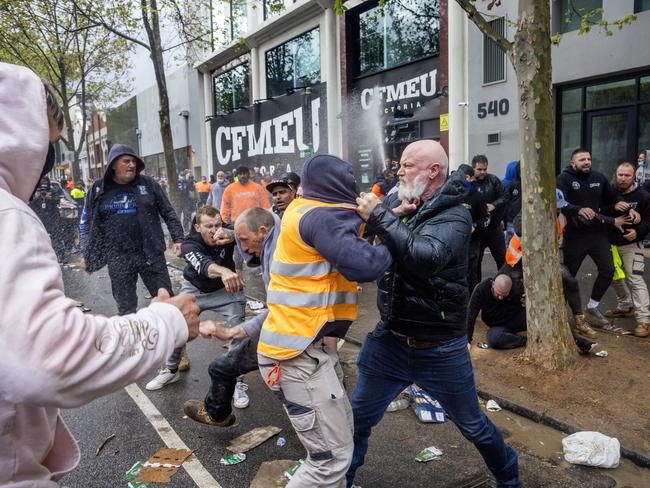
(610, 137)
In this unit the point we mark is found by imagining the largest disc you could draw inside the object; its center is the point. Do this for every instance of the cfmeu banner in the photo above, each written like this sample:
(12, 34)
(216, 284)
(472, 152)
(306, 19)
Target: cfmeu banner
(273, 134)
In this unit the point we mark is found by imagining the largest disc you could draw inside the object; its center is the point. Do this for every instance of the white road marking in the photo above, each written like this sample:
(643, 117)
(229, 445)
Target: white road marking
(192, 465)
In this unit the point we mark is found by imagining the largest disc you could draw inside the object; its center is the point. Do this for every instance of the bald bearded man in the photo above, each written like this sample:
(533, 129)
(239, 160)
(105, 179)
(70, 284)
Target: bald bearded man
(422, 335)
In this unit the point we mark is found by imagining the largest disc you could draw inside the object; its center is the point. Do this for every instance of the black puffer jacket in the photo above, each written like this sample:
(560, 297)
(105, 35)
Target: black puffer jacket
(424, 293)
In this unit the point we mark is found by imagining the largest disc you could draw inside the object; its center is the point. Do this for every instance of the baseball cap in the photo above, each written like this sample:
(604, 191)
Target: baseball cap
(559, 198)
(290, 180)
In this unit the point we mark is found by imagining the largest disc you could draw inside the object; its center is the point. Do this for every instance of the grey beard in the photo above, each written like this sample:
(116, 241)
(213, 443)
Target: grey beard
(411, 191)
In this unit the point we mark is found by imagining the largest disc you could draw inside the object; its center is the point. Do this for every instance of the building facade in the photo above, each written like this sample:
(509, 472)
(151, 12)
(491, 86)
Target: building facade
(601, 86)
(293, 78)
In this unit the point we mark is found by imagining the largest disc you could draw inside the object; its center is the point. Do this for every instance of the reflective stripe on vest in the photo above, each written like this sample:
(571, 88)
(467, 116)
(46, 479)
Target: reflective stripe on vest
(513, 253)
(305, 291)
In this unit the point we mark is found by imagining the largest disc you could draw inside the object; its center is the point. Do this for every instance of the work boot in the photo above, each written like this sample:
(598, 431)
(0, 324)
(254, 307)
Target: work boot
(642, 329)
(596, 318)
(582, 327)
(195, 409)
(619, 313)
(184, 363)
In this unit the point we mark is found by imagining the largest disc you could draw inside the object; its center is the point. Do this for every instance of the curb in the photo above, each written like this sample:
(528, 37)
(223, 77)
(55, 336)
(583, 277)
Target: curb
(636, 457)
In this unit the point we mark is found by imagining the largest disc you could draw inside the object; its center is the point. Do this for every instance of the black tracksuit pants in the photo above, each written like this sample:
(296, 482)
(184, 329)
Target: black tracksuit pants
(492, 237)
(240, 359)
(123, 270)
(597, 247)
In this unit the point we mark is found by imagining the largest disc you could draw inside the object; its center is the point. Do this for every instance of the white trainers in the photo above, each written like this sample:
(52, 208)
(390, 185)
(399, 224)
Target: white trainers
(165, 377)
(240, 397)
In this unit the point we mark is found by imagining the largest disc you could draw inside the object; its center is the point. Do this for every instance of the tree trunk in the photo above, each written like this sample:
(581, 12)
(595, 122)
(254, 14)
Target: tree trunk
(152, 27)
(550, 343)
(76, 173)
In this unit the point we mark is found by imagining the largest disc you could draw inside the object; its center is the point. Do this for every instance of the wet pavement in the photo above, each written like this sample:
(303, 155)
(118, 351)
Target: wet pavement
(393, 446)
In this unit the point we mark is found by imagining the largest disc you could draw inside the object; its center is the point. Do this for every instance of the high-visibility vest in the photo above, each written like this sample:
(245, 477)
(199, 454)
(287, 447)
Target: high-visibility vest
(514, 252)
(305, 291)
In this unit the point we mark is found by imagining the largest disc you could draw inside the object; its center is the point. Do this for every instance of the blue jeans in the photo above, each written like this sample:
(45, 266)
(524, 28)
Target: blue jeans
(388, 365)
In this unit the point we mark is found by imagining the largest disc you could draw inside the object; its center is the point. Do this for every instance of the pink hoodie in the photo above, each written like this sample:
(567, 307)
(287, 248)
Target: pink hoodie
(52, 355)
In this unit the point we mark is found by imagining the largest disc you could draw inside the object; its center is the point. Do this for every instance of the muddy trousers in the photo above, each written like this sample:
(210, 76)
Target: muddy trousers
(123, 271)
(240, 359)
(311, 390)
(633, 291)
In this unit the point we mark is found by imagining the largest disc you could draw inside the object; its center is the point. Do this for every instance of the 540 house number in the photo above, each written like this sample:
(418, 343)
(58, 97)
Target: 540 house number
(494, 107)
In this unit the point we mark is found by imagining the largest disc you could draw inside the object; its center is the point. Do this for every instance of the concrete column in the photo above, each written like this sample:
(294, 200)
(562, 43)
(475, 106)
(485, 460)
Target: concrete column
(208, 104)
(255, 74)
(458, 92)
(330, 68)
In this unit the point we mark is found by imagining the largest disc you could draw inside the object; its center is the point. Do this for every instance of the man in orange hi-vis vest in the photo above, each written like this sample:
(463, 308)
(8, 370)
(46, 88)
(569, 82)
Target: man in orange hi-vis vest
(312, 294)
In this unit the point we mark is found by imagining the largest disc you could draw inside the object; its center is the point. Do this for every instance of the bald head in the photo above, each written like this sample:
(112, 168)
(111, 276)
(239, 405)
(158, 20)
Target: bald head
(423, 169)
(501, 286)
(427, 153)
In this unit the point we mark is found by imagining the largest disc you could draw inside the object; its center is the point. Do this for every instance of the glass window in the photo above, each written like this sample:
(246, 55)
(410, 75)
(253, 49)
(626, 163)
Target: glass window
(294, 64)
(572, 100)
(272, 7)
(238, 18)
(494, 58)
(614, 93)
(570, 137)
(644, 127)
(407, 30)
(641, 5)
(645, 88)
(231, 90)
(573, 10)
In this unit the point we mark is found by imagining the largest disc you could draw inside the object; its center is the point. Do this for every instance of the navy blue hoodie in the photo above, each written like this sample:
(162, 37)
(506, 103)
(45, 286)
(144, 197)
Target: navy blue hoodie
(335, 232)
(151, 203)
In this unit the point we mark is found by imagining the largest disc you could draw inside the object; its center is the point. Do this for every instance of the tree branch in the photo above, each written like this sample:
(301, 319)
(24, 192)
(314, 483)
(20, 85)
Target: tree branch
(484, 26)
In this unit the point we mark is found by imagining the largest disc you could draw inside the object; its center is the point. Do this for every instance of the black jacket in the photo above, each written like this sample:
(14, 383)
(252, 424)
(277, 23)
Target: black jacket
(494, 313)
(152, 203)
(200, 256)
(495, 193)
(424, 293)
(513, 197)
(585, 190)
(639, 200)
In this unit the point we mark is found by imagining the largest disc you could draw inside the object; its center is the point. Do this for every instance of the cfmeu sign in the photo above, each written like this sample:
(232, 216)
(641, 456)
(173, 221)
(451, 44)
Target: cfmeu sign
(283, 126)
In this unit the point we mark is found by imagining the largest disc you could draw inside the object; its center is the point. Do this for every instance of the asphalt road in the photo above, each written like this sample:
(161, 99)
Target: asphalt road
(393, 446)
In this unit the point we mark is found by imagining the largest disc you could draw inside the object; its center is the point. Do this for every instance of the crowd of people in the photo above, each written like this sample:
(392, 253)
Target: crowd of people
(421, 234)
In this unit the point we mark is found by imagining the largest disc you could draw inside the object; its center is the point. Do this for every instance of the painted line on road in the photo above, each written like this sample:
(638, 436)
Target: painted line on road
(192, 465)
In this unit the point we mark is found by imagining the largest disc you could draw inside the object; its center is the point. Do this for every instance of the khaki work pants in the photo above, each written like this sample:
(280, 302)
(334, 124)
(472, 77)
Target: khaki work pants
(633, 291)
(311, 390)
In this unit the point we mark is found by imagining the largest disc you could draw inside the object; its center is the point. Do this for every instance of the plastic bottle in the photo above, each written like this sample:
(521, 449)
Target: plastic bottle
(396, 405)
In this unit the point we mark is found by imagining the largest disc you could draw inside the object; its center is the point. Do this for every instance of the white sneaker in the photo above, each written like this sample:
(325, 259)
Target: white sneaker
(240, 397)
(165, 377)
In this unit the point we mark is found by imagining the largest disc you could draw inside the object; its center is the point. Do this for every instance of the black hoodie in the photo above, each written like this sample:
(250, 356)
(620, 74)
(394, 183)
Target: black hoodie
(581, 190)
(200, 256)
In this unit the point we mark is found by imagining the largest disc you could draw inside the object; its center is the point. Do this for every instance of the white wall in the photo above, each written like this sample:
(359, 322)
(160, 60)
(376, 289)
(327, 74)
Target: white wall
(595, 54)
(508, 125)
(184, 95)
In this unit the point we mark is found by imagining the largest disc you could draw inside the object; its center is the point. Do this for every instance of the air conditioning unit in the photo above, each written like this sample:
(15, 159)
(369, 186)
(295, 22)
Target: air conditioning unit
(494, 138)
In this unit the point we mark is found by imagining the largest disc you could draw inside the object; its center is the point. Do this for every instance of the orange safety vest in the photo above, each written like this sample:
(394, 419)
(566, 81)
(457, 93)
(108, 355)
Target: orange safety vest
(305, 291)
(514, 252)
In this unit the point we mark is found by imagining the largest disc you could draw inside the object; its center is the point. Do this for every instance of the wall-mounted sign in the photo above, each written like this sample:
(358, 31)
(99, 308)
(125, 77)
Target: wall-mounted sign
(278, 132)
(444, 122)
